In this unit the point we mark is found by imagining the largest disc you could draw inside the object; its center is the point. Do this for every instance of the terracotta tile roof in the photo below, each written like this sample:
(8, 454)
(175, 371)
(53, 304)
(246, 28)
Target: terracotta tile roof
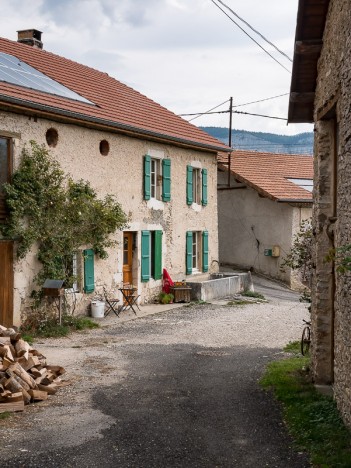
(268, 173)
(116, 104)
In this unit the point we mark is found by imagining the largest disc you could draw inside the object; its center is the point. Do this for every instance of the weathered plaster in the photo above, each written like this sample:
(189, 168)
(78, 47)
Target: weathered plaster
(121, 173)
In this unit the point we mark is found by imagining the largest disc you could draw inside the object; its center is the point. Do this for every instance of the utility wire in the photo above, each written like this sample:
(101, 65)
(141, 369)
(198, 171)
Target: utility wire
(213, 108)
(247, 34)
(235, 112)
(261, 100)
(255, 31)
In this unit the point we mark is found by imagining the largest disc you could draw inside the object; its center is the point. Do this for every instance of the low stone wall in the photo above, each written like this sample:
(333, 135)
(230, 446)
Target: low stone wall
(220, 285)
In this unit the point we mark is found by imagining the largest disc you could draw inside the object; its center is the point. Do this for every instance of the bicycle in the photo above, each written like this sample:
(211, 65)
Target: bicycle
(306, 338)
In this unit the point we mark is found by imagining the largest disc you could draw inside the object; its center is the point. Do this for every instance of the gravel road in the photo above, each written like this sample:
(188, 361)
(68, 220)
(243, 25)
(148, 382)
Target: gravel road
(177, 388)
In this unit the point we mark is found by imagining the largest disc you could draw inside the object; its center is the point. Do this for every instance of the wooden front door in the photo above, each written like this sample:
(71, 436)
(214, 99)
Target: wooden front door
(128, 257)
(6, 283)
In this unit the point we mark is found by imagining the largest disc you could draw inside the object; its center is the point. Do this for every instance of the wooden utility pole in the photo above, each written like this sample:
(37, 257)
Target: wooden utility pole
(230, 136)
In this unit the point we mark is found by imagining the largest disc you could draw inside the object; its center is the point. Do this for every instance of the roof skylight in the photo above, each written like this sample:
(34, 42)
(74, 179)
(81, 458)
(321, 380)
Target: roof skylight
(306, 184)
(14, 71)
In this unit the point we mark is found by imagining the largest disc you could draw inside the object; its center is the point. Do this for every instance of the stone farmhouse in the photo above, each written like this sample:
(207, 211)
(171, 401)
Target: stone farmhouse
(262, 201)
(162, 169)
(321, 93)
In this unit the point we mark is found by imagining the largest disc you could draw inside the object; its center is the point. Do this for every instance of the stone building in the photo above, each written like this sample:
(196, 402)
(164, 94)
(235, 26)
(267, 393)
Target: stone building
(321, 93)
(260, 209)
(162, 170)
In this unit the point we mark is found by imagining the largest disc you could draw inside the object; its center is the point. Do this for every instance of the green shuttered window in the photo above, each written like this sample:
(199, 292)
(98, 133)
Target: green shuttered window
(204, 187)
(205, 251)
(158, 255)
(89, 282)
(147, 177)
(151, 255)
(145, 256)
(196, 251)
(154, 171)
(189, 252)
(166, 180)
(189, 185)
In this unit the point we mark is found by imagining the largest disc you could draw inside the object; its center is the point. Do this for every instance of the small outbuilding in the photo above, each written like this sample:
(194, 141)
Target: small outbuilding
(262, 201)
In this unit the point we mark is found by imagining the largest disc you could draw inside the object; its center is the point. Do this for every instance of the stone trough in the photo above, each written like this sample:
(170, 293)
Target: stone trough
(219, 285)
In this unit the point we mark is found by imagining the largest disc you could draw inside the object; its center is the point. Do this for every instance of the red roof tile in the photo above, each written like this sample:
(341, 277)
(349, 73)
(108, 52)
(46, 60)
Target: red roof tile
(116, 104)
(268, 173)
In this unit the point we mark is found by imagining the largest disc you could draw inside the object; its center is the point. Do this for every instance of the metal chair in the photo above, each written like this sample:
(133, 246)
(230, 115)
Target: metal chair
(112, 304)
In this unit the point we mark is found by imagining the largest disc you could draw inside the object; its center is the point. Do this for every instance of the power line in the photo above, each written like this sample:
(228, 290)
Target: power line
(234, 112)
(247, 34)
(260, 115)
(254, 30)
(261, 100)
(199, 115)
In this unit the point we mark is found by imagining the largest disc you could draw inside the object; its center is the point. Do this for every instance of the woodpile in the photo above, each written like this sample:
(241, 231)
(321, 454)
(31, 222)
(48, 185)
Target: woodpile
(25, 376)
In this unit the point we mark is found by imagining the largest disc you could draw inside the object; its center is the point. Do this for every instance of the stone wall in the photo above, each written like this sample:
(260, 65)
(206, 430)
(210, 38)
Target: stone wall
(331, 293)
(121, 173)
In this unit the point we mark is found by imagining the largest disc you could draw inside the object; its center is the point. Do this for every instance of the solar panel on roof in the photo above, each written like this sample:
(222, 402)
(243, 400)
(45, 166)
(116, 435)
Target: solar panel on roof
(14, 71)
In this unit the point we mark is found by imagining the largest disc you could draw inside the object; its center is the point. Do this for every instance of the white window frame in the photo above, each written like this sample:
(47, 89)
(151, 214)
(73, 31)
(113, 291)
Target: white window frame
(196, 251)
(197, 185)
(156, 178)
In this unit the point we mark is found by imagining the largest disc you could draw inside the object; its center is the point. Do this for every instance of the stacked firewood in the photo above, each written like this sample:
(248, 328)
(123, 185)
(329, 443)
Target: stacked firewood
(24, 375)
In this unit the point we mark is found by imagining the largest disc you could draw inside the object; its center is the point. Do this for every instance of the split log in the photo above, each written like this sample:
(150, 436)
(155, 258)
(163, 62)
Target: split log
(18, 370)
(27, 364)
(58, 370)
(14, 386)
(38, 395)
(11, 407)
(18, 379)
(9, 354)
(22, 348)
(50, 389)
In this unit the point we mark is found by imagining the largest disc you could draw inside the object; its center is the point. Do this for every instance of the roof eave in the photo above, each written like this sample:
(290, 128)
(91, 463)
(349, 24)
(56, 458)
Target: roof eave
(295, 200)
(124, 128)
(311, 19)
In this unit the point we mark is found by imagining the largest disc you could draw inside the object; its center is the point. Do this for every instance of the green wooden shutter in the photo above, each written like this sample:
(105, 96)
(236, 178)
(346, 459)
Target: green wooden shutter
(89, 282)
(147, 177)
(145, 255)
(205, 251)
(166, 180)
(158, 255)
(189, 252)
(189, 185)
(204, 187)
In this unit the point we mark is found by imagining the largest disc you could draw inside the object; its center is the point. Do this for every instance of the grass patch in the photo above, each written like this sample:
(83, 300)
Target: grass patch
(312, 419)
(293, 347)
(51, 329)
(253, 294)
(5, 415)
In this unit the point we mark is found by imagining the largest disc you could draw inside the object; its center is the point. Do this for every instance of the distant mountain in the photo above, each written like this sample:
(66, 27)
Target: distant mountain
(302, 143)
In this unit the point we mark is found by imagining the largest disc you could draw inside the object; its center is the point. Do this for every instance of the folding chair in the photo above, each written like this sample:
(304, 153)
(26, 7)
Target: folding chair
(112, 304)
(130, 297)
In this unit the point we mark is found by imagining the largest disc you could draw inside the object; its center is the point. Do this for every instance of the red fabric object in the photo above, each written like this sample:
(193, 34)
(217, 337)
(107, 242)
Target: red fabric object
(167, 282)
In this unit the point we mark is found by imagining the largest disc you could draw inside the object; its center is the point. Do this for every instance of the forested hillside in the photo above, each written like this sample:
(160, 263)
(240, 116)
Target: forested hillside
(302, 143)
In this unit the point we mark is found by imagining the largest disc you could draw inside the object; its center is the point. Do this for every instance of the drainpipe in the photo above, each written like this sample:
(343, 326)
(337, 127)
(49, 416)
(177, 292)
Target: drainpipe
(230, 136)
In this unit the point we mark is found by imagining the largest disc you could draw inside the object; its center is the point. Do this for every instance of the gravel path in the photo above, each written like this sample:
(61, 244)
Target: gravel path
(177, 388)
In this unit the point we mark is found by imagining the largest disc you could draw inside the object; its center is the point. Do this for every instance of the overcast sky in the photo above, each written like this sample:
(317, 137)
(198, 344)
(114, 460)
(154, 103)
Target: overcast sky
(184, 54)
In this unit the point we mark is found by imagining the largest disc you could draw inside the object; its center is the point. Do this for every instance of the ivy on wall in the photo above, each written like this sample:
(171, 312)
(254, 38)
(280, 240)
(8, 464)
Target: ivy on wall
(47, 208)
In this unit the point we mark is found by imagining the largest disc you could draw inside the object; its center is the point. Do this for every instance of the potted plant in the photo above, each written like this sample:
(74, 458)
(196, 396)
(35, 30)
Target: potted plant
(165, 298)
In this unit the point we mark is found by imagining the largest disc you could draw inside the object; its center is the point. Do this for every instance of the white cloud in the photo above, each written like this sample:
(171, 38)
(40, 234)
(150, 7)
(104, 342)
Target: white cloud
(184, 54)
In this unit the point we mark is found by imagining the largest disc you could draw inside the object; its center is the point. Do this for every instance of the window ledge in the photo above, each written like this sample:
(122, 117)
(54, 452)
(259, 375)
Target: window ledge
(155, 204)
(196, 206)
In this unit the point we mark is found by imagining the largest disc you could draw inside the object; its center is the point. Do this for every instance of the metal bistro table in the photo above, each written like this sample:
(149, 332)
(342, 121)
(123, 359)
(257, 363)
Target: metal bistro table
(130, 297)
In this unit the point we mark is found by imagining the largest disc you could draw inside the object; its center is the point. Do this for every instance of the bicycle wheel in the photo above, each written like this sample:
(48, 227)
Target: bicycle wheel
(305, 340)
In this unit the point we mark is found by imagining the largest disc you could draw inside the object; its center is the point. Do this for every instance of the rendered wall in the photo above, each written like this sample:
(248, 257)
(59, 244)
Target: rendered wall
(121, 173)
(331, 296)
(249, 224)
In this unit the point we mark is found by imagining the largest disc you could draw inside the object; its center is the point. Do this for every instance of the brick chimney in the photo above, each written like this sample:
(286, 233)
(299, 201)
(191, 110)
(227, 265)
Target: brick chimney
(31, 37)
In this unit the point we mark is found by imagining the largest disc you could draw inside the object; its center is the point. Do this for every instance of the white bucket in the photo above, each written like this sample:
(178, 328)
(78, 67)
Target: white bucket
(97, 309)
